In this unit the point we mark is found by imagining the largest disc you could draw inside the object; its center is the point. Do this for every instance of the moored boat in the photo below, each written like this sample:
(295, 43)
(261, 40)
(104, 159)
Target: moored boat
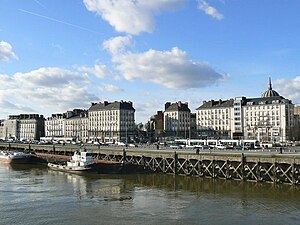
(14, 157)
(80, 162)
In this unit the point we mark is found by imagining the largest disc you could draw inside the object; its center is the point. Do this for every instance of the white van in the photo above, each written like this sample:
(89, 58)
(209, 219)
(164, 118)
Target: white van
(220, 146)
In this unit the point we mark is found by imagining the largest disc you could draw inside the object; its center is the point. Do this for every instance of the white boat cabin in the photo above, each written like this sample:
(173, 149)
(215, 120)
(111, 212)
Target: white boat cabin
(81, 159)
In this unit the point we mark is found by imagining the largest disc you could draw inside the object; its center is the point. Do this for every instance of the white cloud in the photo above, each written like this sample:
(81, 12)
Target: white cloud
(209, 10)
(99, 70)
(117, 45)
(6, 51)
(45, 90)
(6, 81)
(49, 77)
(289, 89)
(147, 108)
(131, 16)
(9, 106)
(110, 88)
(172, 69)
(60, 99)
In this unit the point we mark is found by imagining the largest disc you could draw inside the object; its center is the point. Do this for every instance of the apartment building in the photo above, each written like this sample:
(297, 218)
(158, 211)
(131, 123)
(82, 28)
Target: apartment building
(68, 126)
(177, 120)
(55, 126)
(23, 127)
(267, 118)
(111, 121)
(76, 125)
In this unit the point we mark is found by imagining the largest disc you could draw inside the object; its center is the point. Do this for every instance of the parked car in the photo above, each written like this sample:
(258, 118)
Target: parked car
(121, 143)
(205, 147)
(174, 146)
(191, 146)
(238, 147)
(132, 145)
(220, 146)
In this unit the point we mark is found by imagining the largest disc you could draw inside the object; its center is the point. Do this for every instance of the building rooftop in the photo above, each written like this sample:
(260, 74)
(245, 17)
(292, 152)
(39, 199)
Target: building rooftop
(216, 104)
(268, 97)
(111, 106)
(25, 116)
(264, 100)
(270, 92)
(177, 106)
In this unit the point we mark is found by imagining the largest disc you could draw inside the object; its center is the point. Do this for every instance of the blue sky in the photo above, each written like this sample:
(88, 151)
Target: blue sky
(58, 55)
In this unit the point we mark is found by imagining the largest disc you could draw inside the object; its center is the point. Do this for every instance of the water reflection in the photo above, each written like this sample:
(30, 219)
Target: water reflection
(93, 186)
(43, 196)
(280, 192)
(115, 186)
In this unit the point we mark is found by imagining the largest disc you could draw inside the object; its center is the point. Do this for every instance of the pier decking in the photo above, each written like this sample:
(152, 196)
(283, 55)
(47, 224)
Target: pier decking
(249, 166)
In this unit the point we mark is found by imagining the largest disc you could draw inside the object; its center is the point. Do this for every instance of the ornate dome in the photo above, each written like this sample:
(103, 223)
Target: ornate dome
(270, 92)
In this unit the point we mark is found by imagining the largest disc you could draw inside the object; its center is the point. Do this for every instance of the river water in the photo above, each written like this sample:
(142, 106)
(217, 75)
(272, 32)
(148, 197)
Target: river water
(33, 195)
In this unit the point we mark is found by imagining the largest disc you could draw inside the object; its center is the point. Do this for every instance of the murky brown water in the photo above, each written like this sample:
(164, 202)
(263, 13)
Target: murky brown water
(35, 195)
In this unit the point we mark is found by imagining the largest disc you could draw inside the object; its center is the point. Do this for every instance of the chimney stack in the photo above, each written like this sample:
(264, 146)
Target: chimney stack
(167, 105)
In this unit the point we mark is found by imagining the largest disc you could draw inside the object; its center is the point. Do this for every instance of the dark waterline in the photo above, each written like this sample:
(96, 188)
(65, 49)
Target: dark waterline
(35, 195)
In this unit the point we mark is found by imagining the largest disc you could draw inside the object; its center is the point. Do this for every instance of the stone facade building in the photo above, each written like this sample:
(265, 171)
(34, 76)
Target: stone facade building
(111, 121)
(68, 126)
(177, 120)
(215, 119)
(23, 127)
(76, 125)
(55, 126)
(159, 124)
(102, 122)
(268, 118)
(2, 134)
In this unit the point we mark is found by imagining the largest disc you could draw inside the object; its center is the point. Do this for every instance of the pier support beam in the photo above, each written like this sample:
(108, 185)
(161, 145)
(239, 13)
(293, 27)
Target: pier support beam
(175, 162)
(243, 162)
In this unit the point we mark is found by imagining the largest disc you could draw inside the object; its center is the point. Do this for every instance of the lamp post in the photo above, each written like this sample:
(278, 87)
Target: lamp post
(190, 130)
(126, 134)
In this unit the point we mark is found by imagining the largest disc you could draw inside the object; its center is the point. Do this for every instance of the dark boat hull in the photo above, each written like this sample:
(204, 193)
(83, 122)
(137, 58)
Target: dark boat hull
(21, 160)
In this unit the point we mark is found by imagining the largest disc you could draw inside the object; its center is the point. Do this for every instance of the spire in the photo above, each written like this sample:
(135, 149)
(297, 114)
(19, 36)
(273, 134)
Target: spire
(270, 84)
(269, 92)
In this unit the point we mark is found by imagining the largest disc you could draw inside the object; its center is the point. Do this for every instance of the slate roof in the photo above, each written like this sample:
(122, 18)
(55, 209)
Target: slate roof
(111, 106)
(73, 117)
(265, 100)
(177, 107)
(216, 104)
(245, 101)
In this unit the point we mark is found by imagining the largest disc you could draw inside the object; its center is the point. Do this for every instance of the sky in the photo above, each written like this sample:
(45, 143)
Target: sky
(59, 55)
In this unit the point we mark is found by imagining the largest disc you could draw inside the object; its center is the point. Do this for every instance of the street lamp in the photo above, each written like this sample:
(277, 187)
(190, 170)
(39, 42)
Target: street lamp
(126, 133)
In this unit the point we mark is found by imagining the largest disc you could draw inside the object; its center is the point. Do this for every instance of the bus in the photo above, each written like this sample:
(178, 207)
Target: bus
(230, 143)
(190, 143)
(213, 143)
